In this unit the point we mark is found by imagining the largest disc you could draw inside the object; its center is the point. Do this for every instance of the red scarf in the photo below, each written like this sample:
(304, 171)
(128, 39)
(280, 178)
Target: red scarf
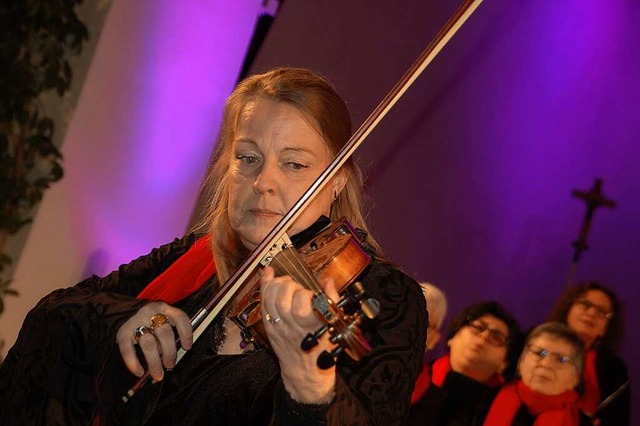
(184, 276)
(441, 368)
(422, 383)
(556, 410)
(590, 397)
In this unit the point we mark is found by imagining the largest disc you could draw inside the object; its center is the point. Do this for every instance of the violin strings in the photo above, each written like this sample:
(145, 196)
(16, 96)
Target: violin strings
(297, 268)
(290, 262)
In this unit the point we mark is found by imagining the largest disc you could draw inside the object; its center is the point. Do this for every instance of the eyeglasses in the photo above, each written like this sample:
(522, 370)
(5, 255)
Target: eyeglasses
(600, 310)
(557, 359)
(494, 337)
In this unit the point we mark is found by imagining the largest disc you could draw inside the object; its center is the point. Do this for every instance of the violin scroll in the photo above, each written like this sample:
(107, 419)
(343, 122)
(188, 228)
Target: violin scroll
(344, 328)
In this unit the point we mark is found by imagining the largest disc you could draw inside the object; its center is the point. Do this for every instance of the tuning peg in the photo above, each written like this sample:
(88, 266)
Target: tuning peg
(370, 307)
(327, 360)
(310, 341)
(356, 290)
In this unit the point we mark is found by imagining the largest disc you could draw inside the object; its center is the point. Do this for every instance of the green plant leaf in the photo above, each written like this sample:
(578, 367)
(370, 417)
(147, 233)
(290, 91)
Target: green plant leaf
(36, 39)
(56, 172)
(46, 126)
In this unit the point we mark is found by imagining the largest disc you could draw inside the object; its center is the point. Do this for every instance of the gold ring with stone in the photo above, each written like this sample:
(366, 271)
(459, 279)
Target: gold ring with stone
(158, 320)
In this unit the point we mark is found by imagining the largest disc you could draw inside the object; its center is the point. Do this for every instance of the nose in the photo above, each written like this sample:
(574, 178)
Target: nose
(483, 335)
(591, 311)
(546, 361)
(266, 180)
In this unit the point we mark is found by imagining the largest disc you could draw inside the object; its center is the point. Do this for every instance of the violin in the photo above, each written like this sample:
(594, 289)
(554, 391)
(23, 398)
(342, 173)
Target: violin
(335, 252)
(343, 328)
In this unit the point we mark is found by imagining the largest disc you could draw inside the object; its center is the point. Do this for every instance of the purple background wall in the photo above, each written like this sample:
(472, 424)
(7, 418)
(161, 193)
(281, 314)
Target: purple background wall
(471, 173)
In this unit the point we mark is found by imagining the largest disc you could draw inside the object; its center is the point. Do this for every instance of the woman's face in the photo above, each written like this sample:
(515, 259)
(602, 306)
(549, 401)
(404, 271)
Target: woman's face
(479, 349)
(547, 367)
(588, 316)
(276, 156)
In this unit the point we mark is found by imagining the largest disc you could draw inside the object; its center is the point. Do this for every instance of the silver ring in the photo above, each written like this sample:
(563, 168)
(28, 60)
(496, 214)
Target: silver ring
(275, 320)
(141, 331)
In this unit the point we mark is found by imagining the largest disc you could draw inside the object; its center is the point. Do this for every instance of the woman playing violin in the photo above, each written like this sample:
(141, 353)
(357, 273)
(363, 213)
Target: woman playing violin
(280, 131)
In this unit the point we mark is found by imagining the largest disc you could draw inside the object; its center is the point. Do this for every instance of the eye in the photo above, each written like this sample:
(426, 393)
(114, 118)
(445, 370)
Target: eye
(249, 160)
(295, 165)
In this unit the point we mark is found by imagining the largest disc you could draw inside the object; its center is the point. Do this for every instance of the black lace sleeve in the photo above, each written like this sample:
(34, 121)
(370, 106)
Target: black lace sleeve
(49, 374)
(377, 390)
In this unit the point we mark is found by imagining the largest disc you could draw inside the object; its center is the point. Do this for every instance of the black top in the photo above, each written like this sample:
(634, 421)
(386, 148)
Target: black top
(65, 363)
(460, 401)
(612, 374)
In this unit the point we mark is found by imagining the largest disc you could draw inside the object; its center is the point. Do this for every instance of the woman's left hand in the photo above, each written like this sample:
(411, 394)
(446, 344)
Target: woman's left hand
(286, 299)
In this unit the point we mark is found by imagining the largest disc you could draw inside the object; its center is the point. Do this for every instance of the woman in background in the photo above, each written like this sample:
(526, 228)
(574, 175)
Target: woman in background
(595, 313)
(550, 368)
(458, 388)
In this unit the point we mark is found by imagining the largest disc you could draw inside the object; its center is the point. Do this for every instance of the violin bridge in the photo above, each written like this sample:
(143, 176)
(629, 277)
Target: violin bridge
(279, 246)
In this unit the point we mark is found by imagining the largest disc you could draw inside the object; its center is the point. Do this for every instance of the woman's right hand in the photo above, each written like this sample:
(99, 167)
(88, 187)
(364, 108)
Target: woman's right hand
(159, 348)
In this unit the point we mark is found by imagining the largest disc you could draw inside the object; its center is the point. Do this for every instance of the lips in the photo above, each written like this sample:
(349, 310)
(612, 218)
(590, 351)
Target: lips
(264, 213)
(475, 347)
(542, 374)
(587, 322)
(541, 379)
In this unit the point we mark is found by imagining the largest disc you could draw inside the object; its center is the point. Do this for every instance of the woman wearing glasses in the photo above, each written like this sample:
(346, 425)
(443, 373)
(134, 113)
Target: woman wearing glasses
(457, 389)
(594, 312)
(550, 368)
